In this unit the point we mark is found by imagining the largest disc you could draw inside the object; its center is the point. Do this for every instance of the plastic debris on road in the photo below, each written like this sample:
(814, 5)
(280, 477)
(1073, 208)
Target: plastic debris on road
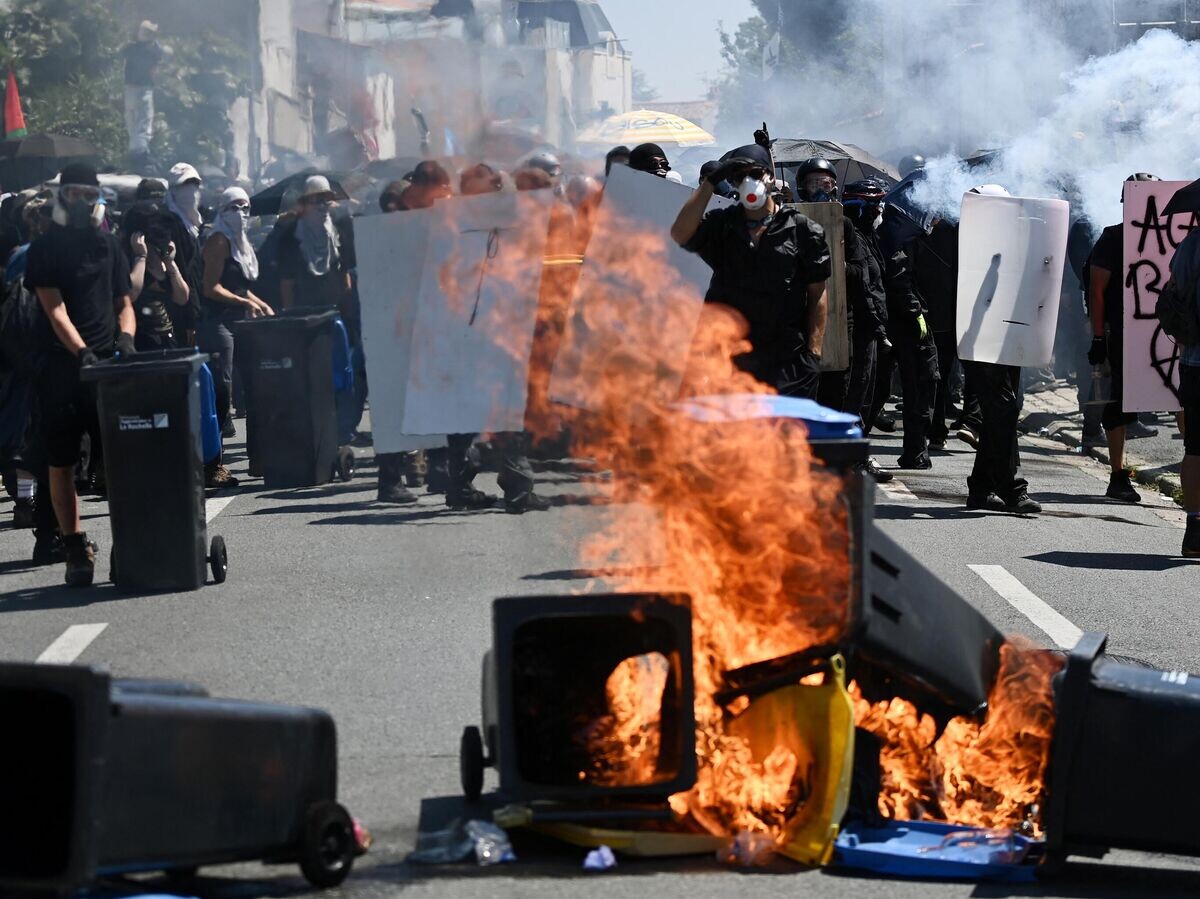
(748, 850)
(928, 849)
(488, 842)
(600, 859)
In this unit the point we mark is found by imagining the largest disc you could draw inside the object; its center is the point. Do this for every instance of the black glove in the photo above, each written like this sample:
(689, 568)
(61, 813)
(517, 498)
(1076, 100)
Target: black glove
(125, 346)
(1098, 354)
(730, 169)
(86, 357)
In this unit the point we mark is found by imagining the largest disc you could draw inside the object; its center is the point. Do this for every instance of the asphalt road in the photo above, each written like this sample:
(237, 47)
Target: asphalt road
(382, 615)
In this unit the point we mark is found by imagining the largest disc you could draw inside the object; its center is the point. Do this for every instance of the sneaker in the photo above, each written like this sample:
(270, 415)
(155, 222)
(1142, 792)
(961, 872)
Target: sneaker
(1094, 439)
(394, 495)
(1120, 487)
(81, 560)
(968, 435)
(988, 503)
(885, 422)
(920, 464)
(1191, 539)
(23, 514)
(526, 502)
(229, 431)
(877, 471)
(1137, 430)
(1022, 505)
(217, 476)
(471, 500)
(938, 442)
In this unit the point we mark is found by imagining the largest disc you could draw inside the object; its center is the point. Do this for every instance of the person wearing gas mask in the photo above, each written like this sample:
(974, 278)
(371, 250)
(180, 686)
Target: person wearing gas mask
(906, 329)
(81, 279)
(649, 158)
(315, 264)
(816, 181)
(158, 284)
(770, 264)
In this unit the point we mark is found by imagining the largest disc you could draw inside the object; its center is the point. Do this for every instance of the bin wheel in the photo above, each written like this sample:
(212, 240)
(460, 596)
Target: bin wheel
(345, 464)
(328, 848)
(218, 560)
(470, 763)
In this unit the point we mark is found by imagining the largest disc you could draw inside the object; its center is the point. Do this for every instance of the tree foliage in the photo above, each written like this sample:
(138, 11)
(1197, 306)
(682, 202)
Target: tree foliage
(643, 90)
(67, 55)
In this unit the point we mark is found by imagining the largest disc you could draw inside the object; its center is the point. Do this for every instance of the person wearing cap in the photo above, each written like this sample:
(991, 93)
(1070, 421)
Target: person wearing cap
(158, 284)
(230, 272)
(142, 58)
(650, 158)
(182, 200)
(315, 263)
(770, 264)
(82, 282)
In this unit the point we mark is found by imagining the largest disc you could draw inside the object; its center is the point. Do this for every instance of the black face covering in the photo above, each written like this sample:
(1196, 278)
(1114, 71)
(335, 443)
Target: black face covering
(79, 214)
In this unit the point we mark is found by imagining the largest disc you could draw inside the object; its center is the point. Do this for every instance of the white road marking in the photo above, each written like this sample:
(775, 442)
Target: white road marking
(1057, 628)
(214, 507)
(897, 490)
(71, 644)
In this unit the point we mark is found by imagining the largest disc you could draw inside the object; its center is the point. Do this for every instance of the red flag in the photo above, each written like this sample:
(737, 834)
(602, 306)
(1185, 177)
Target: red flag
(14, 118)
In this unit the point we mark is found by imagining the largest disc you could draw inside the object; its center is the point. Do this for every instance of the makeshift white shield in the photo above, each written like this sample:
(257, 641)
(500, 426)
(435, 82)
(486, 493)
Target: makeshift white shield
(614, 308)
(449, 308)
(1011, 253)
(1151, 358)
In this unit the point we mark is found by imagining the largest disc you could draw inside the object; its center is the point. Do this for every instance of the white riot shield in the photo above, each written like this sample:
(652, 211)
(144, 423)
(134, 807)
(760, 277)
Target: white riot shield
(1151, 357)
(636, 206)
(449, 309)
(1010, 268)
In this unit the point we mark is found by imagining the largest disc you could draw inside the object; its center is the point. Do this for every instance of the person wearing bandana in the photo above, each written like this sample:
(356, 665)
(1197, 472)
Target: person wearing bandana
(315, 264)
(182, 200)
(770, 264)
(230, 274)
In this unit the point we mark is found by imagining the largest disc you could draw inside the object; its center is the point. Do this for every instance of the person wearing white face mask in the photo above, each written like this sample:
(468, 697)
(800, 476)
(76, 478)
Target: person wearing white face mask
(315, 263)
(230, 272)
(770, 264)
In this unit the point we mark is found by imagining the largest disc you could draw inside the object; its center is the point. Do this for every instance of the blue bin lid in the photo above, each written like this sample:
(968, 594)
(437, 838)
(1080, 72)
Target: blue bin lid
(932, 850)
(822, 423)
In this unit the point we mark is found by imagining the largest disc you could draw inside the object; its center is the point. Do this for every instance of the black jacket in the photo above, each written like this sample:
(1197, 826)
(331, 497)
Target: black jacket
(903, 303)
(865, 296)
(935, 275)
(768, 282)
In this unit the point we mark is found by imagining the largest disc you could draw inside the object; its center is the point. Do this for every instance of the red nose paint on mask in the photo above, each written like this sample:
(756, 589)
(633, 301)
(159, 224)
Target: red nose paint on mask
(752, 198)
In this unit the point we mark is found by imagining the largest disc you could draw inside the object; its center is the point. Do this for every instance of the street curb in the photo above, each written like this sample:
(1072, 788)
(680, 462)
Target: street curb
(1068, 434)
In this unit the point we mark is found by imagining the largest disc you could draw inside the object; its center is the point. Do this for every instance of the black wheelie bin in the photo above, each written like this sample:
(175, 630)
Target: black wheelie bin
(149, 407)
(105, 777)
(286, 362)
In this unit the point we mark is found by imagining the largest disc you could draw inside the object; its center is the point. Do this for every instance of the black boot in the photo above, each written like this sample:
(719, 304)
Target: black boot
(81, 560)
(391, 490)
(1191, 538)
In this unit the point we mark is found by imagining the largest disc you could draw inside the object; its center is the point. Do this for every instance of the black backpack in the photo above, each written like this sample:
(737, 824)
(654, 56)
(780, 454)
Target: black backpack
(24, 329)
(1178, 311)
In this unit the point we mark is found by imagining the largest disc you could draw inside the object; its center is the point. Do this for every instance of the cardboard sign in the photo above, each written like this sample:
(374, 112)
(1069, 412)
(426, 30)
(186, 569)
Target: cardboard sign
(1011, 256)
(1151, 366)
(634, 204)
(835, 353)
(449, 303)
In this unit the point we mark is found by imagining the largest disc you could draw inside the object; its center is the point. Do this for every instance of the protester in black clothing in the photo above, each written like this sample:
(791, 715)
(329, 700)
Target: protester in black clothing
(182, 199)
(316, 257)
(158, 284)
(230, 270)
(994, 483)
(82, 282)
(770, 264)
(1105, 271)
(649, 158)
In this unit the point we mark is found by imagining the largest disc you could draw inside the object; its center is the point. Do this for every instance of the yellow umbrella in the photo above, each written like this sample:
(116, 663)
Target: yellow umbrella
(645, 126)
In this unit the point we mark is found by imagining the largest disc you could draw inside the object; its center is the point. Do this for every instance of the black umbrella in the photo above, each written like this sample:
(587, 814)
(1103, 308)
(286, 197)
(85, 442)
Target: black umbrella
(267, 202)
(1186, 199)
(29, 161)
(851, 163)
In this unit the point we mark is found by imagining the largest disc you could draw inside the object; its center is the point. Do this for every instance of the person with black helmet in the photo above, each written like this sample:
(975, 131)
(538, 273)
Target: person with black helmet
(81, 279)
(914, 162)
(816, 181)
(649, 158)
(1105, 284)
(770, 263)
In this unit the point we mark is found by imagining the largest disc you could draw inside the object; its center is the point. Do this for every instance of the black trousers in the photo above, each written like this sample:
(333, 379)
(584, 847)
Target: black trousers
(859, 398)
(885, 366)
(946, 343)
(997, 459)
(916, 361)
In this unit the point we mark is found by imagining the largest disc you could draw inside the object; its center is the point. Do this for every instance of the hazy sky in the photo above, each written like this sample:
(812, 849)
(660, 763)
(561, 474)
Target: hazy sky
(675, 42)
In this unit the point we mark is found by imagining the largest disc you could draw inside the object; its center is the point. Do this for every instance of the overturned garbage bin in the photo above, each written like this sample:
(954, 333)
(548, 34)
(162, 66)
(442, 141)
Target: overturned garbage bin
(287, 362)
(110, 777)
(150, 423)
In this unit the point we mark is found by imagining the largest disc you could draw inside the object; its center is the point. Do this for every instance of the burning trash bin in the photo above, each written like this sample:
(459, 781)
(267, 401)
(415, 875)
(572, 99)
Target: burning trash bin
(107, 777)
(291, 421)
(150, 420)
